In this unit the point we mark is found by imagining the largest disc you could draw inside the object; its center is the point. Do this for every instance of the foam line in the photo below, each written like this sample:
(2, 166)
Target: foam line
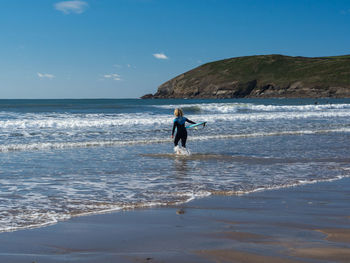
(234, 107)
(70, 121)
(55, 218)
(190, 197)
(277, 187)
(63, 145)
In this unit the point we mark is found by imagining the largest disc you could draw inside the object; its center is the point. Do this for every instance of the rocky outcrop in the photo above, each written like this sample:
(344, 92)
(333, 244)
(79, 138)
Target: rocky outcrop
(270, 76)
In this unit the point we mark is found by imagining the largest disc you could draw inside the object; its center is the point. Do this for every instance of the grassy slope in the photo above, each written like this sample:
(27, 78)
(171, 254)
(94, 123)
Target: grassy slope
(281, 70)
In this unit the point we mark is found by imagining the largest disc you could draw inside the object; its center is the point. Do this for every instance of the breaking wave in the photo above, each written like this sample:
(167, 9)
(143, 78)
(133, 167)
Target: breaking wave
(133, 120)
(86, 144)
(238, 107)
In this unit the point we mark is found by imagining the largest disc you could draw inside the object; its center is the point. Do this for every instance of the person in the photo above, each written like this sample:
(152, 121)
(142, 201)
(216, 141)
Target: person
(179, 124)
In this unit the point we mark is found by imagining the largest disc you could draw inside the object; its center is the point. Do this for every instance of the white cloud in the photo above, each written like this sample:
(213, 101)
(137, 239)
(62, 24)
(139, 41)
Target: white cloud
(113, 76)
(160, 56)
(45, 76)
(75, 6)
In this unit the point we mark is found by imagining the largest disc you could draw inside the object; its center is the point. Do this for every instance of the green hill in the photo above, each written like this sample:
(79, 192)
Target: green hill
(264, 76)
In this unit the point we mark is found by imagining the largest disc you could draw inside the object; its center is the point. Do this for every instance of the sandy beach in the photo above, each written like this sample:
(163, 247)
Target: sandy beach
(309, 223)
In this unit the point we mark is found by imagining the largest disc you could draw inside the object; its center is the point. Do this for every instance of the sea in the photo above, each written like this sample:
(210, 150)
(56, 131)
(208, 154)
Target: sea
(65, 158)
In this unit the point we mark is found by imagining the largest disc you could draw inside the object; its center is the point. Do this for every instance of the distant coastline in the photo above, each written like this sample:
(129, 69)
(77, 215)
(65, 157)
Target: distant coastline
(265, 76)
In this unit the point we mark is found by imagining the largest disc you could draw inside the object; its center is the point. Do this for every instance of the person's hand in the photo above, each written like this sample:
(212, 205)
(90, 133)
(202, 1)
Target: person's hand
(172, 136)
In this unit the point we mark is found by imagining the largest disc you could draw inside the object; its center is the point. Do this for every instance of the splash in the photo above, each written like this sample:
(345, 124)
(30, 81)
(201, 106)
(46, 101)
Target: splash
(182, 151)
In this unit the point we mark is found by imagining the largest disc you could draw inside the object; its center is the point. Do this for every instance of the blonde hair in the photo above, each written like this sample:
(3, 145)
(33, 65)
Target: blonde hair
(178, 112)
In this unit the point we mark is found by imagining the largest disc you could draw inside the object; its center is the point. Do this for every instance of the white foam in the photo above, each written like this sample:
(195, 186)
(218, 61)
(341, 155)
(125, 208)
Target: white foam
(71, 121)
(234, 107)
(33, 219)
(267, 134)
(41, 216)
(277, 116)
(179, 150)
(222, 112)
(42, 219)
(277, 187)
(64, 145)
(195, 195)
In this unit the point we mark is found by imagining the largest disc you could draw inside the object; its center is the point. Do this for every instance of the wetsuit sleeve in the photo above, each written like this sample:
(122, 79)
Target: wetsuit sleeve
(174, 126)
(190, 121)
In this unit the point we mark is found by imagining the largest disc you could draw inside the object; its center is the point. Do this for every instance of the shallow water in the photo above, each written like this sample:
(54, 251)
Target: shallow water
(62, 158)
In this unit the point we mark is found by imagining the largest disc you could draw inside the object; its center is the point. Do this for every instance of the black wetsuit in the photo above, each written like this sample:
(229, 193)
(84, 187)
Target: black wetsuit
(181, 132)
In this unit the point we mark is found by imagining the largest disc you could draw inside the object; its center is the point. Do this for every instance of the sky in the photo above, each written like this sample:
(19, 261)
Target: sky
(127, 48)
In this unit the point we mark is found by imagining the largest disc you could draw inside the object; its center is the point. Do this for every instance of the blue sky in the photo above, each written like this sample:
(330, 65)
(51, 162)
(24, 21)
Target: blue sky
(127, 48)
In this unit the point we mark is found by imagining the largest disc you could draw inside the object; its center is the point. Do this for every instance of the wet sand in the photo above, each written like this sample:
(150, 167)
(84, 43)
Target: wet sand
(308, 223)
(242, 159)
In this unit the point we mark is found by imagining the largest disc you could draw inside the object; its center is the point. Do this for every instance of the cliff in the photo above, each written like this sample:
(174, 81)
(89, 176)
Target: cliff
(266, 76)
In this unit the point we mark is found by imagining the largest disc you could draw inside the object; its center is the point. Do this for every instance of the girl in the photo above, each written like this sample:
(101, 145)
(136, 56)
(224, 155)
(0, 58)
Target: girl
(179, 124)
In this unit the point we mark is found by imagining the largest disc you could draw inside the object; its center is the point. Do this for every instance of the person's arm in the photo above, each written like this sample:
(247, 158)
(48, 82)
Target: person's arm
(192, 122)
(174, 126)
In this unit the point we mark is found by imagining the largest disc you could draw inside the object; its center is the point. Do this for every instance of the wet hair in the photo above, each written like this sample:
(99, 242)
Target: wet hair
(178, 112)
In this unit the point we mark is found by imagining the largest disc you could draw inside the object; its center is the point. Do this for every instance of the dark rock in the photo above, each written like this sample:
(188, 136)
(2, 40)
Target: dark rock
(180, 211)
(148, 96)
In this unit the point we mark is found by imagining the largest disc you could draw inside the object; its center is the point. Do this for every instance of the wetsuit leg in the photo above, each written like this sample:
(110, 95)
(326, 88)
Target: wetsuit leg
(183, 140)
(177, 138)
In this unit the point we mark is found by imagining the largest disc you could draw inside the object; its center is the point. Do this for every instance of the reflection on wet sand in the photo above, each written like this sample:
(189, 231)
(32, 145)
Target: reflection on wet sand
(245, 159)
(230, 255)
(181, 167)
(337, 234)
(336, 254)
